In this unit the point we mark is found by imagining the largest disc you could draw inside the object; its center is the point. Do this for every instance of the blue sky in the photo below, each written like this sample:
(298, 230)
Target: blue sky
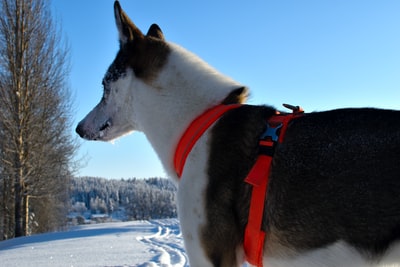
(317, 54)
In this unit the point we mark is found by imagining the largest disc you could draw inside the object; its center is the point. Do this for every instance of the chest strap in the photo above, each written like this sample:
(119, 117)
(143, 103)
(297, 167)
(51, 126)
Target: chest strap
(254, 237)
(195, 131)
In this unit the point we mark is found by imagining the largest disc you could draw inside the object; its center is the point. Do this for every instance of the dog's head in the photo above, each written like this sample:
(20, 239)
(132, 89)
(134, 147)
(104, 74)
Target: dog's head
(138, 61)
(153, 84)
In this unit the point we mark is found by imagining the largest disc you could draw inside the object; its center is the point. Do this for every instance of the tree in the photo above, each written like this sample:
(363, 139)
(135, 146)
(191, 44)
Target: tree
(36, 149)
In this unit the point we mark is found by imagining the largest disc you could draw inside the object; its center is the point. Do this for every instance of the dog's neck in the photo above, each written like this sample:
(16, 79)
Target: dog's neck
(184, 89)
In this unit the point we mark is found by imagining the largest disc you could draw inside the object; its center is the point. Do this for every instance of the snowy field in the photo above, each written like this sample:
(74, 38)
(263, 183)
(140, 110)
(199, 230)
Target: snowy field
(136, 243)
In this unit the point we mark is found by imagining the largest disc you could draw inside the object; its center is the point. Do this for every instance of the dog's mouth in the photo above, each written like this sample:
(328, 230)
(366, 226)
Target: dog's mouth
(88, 132)
(104, 128)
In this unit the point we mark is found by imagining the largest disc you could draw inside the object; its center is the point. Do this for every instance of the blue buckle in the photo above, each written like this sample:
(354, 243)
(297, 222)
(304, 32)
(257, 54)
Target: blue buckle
(271, 132)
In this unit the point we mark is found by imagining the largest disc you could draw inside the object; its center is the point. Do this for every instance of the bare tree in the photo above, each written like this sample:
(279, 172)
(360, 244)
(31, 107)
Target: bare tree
(36, 147)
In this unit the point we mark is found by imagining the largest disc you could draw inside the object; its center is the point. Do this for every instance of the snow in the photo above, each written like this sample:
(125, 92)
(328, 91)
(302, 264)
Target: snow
(135, 243)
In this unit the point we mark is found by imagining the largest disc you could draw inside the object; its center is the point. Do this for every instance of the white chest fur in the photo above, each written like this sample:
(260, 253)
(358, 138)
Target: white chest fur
(191, 201)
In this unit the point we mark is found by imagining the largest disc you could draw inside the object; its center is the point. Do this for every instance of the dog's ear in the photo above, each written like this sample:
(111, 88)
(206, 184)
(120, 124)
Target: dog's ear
(155, 31)
(237, 96)
(127, 30)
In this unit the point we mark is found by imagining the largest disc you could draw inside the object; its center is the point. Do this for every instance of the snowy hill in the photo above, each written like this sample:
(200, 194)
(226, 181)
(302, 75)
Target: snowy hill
(135, 243)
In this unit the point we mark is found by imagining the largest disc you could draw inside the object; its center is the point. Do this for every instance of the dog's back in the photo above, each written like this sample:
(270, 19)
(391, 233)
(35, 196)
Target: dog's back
(334, 179)
(337, 177)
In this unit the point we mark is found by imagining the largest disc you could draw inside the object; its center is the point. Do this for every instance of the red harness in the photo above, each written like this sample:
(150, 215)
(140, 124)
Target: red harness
(258, 176)
(254, 236)
(195, 131)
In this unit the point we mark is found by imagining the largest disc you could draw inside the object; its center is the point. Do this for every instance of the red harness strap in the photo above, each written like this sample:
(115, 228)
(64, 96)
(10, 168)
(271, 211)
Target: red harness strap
(254, 236)
(195, 131)
(258, 176)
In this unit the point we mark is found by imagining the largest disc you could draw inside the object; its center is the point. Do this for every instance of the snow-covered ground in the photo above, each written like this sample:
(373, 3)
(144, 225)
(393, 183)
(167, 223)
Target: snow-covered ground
(136, 243)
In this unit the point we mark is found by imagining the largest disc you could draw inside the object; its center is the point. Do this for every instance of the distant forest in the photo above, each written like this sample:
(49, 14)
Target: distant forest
(137, 199)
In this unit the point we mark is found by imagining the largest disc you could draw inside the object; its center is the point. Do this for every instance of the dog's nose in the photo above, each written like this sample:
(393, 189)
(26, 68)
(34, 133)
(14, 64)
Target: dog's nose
(80, 131)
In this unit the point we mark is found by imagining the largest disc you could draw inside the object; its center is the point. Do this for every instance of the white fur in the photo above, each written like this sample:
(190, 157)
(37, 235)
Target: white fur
(191, 203)
(184, 89)
(336, 255)
(115, 109)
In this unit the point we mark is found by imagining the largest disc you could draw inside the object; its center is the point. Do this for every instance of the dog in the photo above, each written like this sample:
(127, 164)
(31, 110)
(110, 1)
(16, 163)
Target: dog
(333, 194)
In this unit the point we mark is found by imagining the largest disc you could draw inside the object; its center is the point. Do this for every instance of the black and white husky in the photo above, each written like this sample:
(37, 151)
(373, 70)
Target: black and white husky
(334, 188)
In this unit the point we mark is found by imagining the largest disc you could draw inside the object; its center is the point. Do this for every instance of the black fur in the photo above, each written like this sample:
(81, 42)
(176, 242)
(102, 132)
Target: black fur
(234, 150)
(335, 177)
(155, 31)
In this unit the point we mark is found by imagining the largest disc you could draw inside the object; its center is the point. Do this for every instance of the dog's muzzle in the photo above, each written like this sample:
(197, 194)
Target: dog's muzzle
(85, 133)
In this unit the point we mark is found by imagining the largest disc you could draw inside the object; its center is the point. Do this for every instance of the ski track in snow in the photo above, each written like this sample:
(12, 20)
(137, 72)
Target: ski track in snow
(165, 244)
(132, 244)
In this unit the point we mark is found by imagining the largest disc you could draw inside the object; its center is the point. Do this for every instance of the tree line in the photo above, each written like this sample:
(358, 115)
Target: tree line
(141, 199)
